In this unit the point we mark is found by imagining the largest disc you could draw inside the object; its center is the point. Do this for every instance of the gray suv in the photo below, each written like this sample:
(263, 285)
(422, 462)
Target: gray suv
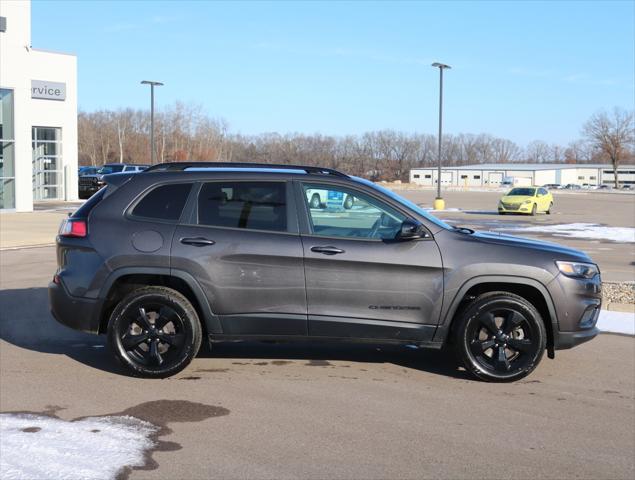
(180, 252)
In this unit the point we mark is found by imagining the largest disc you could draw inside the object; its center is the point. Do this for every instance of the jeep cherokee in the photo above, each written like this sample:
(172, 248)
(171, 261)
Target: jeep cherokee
(180, 252)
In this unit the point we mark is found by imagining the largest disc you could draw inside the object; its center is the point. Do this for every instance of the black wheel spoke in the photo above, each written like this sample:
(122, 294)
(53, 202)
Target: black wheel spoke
(154, 353)
(520, 345)
(174, 339)
(480, 346)
(512, 321)
(489, 321)
(166, 315)
(143, 319)
(500, 359)
(130, 341)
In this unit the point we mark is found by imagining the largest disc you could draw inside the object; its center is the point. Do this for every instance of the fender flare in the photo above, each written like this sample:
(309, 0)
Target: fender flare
(212, 322)
(444, 327)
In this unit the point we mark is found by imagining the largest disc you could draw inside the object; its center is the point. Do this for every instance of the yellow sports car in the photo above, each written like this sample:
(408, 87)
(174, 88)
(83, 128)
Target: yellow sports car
(529, 200)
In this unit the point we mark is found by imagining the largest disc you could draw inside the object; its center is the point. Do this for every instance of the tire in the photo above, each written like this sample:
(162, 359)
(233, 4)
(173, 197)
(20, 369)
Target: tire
(315, 201)
(348, 202)
(500, 337)
(548, 212)
(145, 348)
(533, 210)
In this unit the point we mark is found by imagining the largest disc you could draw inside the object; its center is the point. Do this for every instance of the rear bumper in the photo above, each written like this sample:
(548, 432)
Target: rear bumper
(77, 313)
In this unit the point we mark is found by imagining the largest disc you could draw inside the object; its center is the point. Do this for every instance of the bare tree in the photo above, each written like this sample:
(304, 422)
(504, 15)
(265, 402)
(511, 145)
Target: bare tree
(612, 134)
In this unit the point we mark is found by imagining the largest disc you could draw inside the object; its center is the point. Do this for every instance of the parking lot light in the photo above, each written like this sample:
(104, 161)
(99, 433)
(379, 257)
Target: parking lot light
(439, 203)
(152, 85)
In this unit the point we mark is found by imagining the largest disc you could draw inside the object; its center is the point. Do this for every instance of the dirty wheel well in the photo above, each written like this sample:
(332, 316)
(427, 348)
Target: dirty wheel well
(128, 283)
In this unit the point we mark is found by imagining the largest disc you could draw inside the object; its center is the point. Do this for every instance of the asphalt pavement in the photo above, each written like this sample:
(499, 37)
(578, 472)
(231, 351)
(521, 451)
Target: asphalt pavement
(325, 411)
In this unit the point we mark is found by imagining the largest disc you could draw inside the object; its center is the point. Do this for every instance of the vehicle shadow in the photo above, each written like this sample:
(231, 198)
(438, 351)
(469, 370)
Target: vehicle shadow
(25, 321)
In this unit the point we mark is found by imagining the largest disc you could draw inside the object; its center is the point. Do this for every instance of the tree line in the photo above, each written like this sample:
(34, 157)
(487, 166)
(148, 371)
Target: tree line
(185, 132)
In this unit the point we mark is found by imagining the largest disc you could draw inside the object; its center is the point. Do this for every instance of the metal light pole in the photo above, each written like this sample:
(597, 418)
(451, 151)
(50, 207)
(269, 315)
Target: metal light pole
(439, 203)
(152, 85)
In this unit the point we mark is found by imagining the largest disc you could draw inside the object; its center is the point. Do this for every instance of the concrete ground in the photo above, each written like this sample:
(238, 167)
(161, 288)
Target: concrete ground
(330, 411)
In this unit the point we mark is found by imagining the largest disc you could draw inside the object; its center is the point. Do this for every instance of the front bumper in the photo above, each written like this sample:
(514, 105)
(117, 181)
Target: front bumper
(571, 339)
(514, 208)
(74, 312)
(578, 303)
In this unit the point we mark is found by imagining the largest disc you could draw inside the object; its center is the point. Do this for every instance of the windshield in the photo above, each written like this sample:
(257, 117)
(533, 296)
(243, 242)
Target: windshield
(526, 192)
(106, 169)
(406, 203)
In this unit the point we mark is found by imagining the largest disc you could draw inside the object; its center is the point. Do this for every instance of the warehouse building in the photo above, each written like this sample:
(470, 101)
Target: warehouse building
(495, 175)
(38, 116)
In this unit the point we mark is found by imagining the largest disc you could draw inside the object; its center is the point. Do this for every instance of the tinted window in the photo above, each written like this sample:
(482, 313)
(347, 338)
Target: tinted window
(345, 213)
(529, 192)
(252, 205)
(165, 202)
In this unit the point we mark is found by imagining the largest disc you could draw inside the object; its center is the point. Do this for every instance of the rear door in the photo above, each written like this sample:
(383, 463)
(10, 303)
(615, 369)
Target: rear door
(242, 244)
(361, 282)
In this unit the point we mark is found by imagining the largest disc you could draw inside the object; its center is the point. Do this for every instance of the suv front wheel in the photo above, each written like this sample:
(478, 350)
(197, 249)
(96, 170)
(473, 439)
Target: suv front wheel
(500, 337)
(154, 332)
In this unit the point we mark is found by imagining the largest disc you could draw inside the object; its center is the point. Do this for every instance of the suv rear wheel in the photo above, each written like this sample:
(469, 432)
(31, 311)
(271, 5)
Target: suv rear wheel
(500, 337)
(154, 332)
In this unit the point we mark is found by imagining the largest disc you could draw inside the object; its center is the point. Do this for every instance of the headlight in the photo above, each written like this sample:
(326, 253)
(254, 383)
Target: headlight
(578, 269)
(526, 202)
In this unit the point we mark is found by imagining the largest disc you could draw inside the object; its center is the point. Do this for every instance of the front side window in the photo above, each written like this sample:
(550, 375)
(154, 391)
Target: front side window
(346, 213)
(163, 203)
(248, 205)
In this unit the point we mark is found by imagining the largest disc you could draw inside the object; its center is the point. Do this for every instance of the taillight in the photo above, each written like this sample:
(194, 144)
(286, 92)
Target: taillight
(72, 227)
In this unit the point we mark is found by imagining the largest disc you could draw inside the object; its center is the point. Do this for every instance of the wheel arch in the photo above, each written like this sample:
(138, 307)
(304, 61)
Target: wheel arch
(531, 290)
(126, 279)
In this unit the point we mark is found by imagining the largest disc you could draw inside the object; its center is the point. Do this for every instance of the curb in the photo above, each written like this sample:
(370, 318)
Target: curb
(21, 247)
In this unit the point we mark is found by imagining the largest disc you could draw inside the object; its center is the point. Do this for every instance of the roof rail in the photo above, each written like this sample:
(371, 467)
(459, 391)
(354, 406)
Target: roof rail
(181, 166)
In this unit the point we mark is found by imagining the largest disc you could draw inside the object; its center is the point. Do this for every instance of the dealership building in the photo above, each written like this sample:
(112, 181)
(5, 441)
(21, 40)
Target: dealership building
(493, 174)
(38, 116)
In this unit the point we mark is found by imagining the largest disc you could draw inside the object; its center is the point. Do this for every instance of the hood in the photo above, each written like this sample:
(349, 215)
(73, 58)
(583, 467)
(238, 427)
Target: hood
(516, 198)
(522, 242)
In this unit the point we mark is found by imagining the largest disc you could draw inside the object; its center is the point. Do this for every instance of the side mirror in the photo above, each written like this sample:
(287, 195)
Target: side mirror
(411, 230)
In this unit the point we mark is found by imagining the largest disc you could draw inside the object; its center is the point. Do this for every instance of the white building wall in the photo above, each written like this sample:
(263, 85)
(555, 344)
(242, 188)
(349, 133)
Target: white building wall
(19, 64)
(543, 177)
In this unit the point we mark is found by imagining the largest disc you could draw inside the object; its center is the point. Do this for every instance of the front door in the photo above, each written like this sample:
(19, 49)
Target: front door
(360, 281)
(242, 245)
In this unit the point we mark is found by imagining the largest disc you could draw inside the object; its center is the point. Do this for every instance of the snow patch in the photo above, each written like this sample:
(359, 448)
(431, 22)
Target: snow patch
(616, 322)
(37, 446)
(587, 231)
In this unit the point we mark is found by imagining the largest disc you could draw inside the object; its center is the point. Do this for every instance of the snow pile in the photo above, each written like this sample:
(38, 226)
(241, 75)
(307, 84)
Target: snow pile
(589, 231)
(36, 446)
(616, 322)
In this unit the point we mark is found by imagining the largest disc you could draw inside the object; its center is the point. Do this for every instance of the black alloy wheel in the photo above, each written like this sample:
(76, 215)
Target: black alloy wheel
(154, 332)
(501, 337)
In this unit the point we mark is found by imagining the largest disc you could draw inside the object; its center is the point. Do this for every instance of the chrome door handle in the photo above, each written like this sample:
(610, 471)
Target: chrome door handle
(327, 250)
(197, 241)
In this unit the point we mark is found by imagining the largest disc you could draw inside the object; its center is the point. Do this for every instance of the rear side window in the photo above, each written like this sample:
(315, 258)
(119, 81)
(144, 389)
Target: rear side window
(249, 205)
(164, 203)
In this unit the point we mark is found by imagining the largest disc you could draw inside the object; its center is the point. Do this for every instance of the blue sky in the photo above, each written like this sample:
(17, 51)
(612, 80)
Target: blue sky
(521, 70)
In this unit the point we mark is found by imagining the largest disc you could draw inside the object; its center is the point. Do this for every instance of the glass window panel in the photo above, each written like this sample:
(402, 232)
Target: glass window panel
(339, 212)
(6, 114)
(249, 205)
(165, 202)
(7, 193)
